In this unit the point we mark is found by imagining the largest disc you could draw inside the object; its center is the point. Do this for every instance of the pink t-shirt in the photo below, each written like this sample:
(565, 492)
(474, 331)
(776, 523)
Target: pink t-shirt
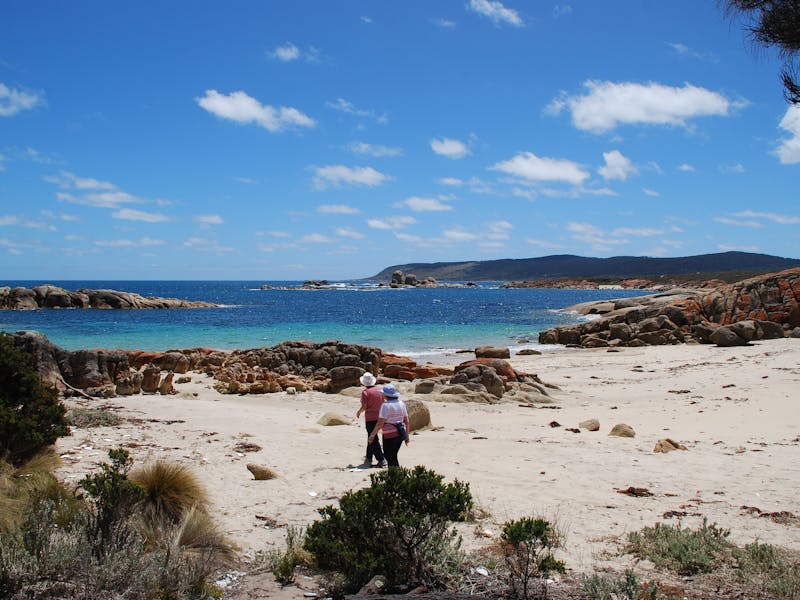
(371, 400)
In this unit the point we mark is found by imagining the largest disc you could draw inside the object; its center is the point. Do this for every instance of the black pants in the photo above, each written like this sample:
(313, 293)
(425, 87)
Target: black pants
(374, 448)
(391, 446)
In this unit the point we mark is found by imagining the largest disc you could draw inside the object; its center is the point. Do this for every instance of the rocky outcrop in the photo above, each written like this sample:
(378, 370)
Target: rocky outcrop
(50, 296)
(328, 366)
(763, 307)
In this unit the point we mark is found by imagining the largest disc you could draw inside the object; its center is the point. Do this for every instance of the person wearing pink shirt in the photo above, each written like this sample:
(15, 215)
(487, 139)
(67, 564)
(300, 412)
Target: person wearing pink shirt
(371, 401)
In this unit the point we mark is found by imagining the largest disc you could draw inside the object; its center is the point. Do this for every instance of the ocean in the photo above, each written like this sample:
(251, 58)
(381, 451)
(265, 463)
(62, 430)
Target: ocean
(423, 323)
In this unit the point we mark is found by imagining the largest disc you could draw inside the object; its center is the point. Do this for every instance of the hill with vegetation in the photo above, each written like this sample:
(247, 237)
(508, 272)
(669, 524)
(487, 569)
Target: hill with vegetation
(563, 266)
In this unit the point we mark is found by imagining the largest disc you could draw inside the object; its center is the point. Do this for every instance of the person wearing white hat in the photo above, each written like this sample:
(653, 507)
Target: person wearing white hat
(392, 423)
(371, 401)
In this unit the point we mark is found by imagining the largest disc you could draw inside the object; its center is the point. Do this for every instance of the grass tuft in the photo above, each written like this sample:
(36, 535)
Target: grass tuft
(170, 490)
(83, 418)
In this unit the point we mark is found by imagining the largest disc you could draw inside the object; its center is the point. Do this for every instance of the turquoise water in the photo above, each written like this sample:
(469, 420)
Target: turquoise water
(416, 322)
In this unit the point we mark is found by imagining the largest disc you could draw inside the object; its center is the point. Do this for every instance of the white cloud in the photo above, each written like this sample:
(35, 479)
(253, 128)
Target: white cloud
(241, 108)
(123, 243)
(419, 204)
(789, 150)
(451, 181)
(337, 209)
(636, 232)
(336, 175)
(349, 232)
(13, 220)
(607, 105)
(348, 107)
(737, 248)
(650, 192)
(459, 235)
(735, 168)
(398, 222)
(496, 11)
(130, 214)
(374, 150)
(499, 230)
(561, 9)
(444, 23)
(617, 166)
(408, 238)
(737, 223)
(286, 53)
(315, 238)
(246, 180)
(209, 219)
(546, 244)
(593, 236)
(449, 148)
(774, 217)
(534, 168)
(686, 168)
(13, 101)
(205, 245)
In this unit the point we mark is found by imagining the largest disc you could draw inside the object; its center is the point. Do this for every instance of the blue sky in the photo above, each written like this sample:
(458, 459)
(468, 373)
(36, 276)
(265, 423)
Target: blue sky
(330, 139)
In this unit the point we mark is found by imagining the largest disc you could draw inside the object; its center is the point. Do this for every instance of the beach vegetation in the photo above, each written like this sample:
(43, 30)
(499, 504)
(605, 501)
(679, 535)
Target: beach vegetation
(283, 563)
(83, 418)
(103, 540)
(527, 546)
(683, 550)
(620, 587)
(31, 414)
(169, 489)
(768, 568)
(398, 527)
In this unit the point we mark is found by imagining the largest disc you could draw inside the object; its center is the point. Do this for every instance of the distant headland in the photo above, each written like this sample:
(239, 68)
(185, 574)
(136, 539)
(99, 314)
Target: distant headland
(725, 266)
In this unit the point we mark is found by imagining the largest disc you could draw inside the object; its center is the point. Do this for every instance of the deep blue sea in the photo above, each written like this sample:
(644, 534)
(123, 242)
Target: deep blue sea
(416, 322)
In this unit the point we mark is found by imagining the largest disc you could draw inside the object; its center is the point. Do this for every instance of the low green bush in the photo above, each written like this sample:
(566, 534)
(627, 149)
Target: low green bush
(771, 568)
(84, 418)
(685, 551)
(398, 527)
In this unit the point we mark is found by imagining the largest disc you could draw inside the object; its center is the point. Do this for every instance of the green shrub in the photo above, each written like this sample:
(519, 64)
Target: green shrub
(769, 567)
(283, 564)
(684, 551)
(528, 545)
(598, 587)
(31, 415)
(398, 527)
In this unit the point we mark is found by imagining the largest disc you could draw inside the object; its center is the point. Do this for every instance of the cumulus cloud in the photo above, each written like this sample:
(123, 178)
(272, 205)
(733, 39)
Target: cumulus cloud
(561, 9)
(14, 220)
(530, 167)
(650, 192)
(737, 248)
(337, 209)
(398, 222)
(377, 151)
(459, 235)
(130, 214)
(607, 105)
(686, 168)
(286, 53)
(496, 12)
(444, 23)
(241, 108)
(13, 101)
(636, 232)
(336, 175)
(617, 166)
(499, 230)
(451, 181)
(449, 148)
(594, 237)
(205, 245)
(315, 238)
(419, 204)
(789, 150)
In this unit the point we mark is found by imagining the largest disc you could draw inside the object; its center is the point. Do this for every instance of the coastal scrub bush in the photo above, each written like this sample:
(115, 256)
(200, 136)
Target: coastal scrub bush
(169, 489)
(283, 564)
(31, 415)
(771, 568)
(397, 527)
(84, 418)
(100, 546)
(527, 546)
(685, 551)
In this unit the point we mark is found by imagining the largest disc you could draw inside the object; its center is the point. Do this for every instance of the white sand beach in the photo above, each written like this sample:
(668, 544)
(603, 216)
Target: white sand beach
(735, 409)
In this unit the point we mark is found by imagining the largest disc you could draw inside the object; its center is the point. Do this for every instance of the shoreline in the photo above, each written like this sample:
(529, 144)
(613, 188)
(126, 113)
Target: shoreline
(731, 407)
